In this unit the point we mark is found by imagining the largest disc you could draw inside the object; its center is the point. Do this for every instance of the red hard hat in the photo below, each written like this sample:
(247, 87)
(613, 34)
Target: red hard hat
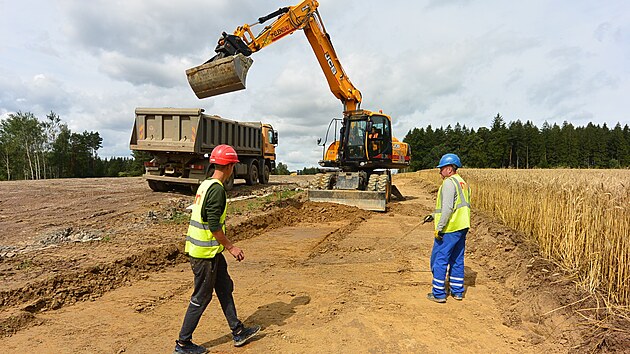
(223, 155)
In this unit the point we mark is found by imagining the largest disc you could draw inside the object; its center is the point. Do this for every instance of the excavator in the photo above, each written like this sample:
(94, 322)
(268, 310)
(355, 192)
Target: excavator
(363, 152)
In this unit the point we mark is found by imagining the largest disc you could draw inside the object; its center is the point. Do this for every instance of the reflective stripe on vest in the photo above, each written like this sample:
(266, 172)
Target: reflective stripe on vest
(200, 243)
(460, 219)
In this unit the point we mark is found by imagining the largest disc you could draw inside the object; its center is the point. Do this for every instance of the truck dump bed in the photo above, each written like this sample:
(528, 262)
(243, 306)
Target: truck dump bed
(188, 130)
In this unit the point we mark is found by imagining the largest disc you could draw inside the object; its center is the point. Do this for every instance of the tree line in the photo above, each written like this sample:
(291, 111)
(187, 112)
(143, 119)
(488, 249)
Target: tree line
(518, 145)
(31, 148)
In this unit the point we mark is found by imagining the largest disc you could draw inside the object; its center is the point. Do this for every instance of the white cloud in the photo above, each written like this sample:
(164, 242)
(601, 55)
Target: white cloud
(142, 72)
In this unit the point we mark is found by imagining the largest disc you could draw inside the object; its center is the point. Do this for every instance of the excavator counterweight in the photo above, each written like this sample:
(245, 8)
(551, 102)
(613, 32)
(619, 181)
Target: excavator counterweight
(219, 76)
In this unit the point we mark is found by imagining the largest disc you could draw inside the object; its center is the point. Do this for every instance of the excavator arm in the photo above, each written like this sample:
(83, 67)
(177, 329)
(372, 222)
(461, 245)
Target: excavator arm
(227, 70)
(362, 159)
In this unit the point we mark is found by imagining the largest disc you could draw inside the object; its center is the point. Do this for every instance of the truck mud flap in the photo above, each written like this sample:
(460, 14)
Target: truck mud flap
(219, 76)
(361, 199)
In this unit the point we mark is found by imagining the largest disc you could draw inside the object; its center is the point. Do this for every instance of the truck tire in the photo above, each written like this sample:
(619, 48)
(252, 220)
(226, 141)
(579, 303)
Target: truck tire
(158, 186)
(264, 175)
(252, 174)
(229, 184)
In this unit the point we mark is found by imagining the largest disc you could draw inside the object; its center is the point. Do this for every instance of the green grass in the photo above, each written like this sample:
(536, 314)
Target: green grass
(25, 264)
(257, 203)
(179, 217)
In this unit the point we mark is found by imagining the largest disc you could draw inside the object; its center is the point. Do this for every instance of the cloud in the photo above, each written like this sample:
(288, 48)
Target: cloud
(607, 31)
(444, 3)
(141, 71)
(153, 29)
(41, 93)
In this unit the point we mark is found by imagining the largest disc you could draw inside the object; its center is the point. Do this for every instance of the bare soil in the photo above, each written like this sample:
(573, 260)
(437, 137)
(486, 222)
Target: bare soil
(96, 265)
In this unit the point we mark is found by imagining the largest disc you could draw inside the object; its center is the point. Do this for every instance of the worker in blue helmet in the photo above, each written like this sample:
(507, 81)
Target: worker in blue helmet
(451, 220)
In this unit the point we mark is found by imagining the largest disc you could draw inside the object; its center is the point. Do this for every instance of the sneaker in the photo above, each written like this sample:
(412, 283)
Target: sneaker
(431, 297)
(244, 335)
(188, 347)
(458, 297)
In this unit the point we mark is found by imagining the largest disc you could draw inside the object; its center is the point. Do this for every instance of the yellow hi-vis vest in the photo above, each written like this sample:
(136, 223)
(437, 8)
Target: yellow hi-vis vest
(460, 219)
(200, 243)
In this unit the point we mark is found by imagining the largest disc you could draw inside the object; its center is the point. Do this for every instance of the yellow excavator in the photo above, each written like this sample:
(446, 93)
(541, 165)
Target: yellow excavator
(364, 151)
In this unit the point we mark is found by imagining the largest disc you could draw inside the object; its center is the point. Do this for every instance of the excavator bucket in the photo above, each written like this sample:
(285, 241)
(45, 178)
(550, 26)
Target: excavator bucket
(219, 76)
(361, 199)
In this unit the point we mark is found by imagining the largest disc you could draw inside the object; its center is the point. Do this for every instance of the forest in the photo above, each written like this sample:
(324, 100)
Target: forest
(518, 145)
(32, 148)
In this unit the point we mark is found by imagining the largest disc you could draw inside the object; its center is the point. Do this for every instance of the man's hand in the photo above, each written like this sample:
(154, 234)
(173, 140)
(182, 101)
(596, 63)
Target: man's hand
(237, 253)
(438, 235)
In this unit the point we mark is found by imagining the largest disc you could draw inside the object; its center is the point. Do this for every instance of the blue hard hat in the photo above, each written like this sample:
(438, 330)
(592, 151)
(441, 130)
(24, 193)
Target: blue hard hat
(450, 159)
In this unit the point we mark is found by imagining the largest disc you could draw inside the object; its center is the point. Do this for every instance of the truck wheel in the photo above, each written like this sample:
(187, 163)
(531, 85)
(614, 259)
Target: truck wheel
(252, 174)
(229, 184)
(264, 176)
(158, 186)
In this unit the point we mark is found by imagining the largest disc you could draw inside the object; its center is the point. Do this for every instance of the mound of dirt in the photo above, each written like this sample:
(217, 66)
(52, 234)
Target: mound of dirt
(69, 284)
(290, 212)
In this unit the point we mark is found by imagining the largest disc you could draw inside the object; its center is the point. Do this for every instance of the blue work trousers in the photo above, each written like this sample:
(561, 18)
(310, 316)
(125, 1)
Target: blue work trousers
(449, 251)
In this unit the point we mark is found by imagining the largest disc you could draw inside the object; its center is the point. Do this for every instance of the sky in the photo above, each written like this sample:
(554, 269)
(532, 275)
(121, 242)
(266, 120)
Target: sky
(424, 62)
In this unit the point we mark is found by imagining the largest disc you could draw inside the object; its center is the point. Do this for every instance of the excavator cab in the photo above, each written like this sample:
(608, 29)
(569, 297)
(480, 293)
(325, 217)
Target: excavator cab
(366, 142)
(355, 147)
(379, 138)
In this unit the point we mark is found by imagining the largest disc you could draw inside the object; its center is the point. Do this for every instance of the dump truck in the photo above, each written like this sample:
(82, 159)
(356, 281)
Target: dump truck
(359, 160)
(180, 141)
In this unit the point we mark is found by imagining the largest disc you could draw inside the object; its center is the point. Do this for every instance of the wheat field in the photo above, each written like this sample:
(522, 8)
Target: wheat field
(580, 219)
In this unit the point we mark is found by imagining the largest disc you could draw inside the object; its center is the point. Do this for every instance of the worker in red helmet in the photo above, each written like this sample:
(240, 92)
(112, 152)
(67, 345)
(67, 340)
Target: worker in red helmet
(205, 242)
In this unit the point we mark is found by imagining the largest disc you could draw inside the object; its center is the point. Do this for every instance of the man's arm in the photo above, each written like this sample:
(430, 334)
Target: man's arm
(213, 209)
(234, 251)
(449, 194)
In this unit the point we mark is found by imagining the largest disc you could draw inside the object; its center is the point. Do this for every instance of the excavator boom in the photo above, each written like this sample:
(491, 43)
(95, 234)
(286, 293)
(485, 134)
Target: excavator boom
(227, 70)
(366, 149)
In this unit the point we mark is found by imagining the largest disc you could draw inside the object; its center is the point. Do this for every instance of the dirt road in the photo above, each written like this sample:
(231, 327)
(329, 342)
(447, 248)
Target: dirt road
(319, 278)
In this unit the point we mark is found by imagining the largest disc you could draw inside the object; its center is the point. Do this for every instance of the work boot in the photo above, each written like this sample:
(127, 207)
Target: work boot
(188, 347)
(458, 297)
(432, 297)
(244, 335)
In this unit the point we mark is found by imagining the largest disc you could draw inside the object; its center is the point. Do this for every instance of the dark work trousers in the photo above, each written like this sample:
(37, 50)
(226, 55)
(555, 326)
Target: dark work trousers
(210, 274)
